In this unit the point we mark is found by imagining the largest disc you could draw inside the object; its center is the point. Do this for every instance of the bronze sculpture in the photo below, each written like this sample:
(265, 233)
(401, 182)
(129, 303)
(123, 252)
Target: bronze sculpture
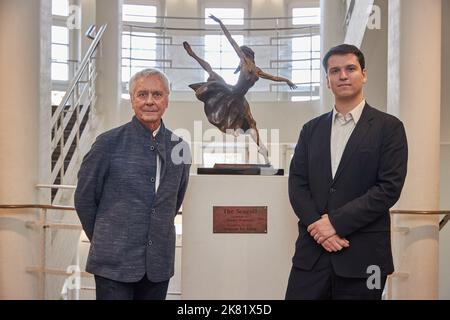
(225, 105)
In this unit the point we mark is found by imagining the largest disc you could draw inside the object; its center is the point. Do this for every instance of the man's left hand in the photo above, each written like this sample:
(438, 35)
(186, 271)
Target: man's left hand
(321, 229)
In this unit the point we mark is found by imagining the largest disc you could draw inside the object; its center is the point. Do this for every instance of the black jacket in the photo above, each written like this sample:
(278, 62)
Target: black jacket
(367, 184)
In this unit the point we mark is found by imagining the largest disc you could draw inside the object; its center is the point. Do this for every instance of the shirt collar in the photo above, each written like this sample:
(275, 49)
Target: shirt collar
(355, 113)
(156, 134)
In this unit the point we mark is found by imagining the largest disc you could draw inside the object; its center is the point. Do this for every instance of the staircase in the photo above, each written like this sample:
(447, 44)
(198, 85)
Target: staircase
(72, 116)
(72, 129)
(65, 137)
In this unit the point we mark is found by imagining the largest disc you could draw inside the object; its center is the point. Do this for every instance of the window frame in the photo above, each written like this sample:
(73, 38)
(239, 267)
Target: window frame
(128, 31)
(216, 30)
(298, 97)
(74, 48)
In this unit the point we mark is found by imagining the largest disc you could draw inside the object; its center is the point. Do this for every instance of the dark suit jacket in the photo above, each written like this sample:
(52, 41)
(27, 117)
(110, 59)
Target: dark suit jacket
(367, 184)
(130, 234)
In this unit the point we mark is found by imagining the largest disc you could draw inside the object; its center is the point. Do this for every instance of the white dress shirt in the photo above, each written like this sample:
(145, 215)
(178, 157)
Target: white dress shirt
(158, 162)
(341, 130)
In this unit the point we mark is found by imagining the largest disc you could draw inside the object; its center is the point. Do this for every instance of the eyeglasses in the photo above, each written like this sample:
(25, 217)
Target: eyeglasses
(156, 95)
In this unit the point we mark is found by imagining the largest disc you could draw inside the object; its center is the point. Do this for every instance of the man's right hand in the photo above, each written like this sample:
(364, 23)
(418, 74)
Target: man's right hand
(322, 229)
(335, 243)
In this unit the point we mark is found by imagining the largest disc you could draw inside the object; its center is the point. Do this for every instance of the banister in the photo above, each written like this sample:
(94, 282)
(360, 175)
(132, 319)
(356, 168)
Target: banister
(36, 206)
(442, 223)
(421, 212)
(90, 32)
(79, 73)
(55, 186)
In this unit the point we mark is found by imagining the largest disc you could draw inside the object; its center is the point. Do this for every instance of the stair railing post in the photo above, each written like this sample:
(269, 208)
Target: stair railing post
(61, 147)
(77, 117)
(43, 253)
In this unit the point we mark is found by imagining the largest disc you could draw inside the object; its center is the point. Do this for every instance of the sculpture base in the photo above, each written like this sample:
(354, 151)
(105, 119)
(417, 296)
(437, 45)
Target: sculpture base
(223, 266)
(242, 169)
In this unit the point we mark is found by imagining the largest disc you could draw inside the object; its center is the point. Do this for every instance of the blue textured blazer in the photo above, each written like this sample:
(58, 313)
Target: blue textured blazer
(132, 233)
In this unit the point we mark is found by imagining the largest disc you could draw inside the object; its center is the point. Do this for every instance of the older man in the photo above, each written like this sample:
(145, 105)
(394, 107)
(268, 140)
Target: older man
(130, 187)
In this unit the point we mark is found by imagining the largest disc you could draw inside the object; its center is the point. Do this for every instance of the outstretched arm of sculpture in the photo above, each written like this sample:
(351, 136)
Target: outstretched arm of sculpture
(267, 76)
(228, 35)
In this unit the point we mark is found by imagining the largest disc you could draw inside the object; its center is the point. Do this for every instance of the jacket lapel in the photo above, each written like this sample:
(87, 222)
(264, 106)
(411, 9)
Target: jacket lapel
(325, 144)
(161, 149)
(357, 136)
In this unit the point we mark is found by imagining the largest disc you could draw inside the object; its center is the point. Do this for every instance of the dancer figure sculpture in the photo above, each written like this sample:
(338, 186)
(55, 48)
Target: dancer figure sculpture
(225, 105)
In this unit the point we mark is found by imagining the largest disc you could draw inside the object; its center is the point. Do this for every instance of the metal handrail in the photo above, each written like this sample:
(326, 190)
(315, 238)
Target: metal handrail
(36, 206)
(420, 212)
(79, 73)
(442, 223)
(90, 32)
(41, 270)
(80, 96)
(60, 131)
(348, 16)
(218, 29)
(56, 186)
(225, 19)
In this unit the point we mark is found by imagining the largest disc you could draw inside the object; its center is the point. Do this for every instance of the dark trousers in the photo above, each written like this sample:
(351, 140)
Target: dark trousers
(107, 289)
(322, 283)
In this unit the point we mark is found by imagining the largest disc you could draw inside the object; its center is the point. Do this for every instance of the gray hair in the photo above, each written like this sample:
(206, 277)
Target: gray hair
(147, 73)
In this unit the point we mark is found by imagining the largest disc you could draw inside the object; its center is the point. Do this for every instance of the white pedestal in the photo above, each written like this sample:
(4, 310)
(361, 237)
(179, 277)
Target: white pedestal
(236, 266)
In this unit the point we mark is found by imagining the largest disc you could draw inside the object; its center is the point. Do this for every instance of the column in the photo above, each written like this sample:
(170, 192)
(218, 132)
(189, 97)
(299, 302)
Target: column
(414, 93)
(21, 82)
(88, 19)
(444, 235)
(109, 65)
(332, 32)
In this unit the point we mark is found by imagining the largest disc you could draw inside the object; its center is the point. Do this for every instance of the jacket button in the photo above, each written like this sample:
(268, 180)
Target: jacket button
(153, 210)
(152, 148)
(150, 242)
(152, 179)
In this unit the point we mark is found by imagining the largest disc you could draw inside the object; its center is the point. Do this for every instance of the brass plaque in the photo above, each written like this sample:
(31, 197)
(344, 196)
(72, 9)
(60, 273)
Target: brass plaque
(239, 219)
